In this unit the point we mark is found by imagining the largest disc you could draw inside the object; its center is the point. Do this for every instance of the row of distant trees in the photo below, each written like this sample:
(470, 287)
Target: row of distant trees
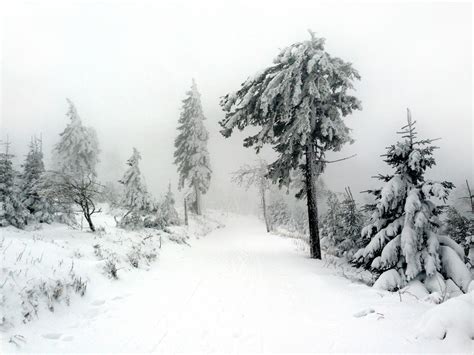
(72, 186)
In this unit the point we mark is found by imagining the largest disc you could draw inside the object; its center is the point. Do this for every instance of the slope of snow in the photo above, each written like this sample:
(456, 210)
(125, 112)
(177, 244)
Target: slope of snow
(238, 289)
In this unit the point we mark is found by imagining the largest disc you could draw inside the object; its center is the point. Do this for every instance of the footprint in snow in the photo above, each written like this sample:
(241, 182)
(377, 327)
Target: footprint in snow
(52, 336)
(92, 313)
(98, 302)
(364, 312)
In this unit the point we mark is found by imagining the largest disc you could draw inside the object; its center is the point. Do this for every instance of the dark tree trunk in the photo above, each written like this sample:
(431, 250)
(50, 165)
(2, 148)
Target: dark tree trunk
(312, 171)
(89, 221)
(264, 207)
(88, 217)
(185, 212)
(198, 199)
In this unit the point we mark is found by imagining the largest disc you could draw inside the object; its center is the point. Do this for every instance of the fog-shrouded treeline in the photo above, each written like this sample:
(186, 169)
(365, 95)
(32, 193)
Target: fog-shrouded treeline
(297, 106)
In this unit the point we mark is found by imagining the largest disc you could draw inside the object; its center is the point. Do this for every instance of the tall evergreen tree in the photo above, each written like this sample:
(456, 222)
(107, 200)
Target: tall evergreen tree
(33, 168)
(12, 210)
(403, 227)
(191, 155)
(299, 103)
(135, 198)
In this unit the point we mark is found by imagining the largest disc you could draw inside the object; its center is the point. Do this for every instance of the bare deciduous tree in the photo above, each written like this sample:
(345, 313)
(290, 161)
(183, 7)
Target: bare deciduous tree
(64, 190)
(255, 175)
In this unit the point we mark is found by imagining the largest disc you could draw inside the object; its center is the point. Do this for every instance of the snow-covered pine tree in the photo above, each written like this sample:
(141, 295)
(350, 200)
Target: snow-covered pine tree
(331, 231)
(352, 220)
(191, 155)
(12, 210)
(299, 103)
(77, 152)
(342, 225)
(460, 228)
(135, 198)
(167, 210)
(38, 206)
(256, 176)
(403, 227)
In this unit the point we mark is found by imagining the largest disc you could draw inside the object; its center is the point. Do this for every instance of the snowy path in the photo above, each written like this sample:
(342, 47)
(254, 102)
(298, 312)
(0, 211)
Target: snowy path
(236, 290)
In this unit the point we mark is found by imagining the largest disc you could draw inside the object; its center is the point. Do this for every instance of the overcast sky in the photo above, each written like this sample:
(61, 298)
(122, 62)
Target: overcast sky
(127, 66)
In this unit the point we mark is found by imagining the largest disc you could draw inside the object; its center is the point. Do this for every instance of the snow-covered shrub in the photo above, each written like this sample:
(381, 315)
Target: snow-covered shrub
(403, 231)
(50, 292)
(110, 268)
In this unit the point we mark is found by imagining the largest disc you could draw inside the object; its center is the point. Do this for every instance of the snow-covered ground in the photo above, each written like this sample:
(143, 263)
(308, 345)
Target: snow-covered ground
(238, 289)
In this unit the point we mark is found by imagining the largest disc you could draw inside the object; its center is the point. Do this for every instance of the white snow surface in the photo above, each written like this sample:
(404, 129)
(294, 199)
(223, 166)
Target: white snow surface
(238, 289)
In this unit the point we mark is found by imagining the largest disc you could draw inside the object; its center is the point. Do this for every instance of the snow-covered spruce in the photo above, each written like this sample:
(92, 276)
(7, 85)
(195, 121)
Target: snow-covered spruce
(403, 227)
(191, 155)
(298, 103)
(460, 228)
(38, 206)
(342, 225)
(12, 210)
(77, 152)
(167, 210)
(135, 199)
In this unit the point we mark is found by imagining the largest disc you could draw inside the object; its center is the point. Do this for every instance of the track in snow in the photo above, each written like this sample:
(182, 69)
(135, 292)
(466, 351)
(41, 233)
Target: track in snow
(238, 289)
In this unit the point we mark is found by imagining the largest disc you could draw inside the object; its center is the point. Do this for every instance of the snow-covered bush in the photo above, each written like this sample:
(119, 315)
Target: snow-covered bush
(403, 231)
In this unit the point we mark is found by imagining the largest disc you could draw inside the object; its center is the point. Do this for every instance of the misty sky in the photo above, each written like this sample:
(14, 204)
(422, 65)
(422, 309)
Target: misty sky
(127, 66)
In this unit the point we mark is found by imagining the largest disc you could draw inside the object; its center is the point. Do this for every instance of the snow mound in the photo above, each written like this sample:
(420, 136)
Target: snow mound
(453, 317)
(390, 280)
